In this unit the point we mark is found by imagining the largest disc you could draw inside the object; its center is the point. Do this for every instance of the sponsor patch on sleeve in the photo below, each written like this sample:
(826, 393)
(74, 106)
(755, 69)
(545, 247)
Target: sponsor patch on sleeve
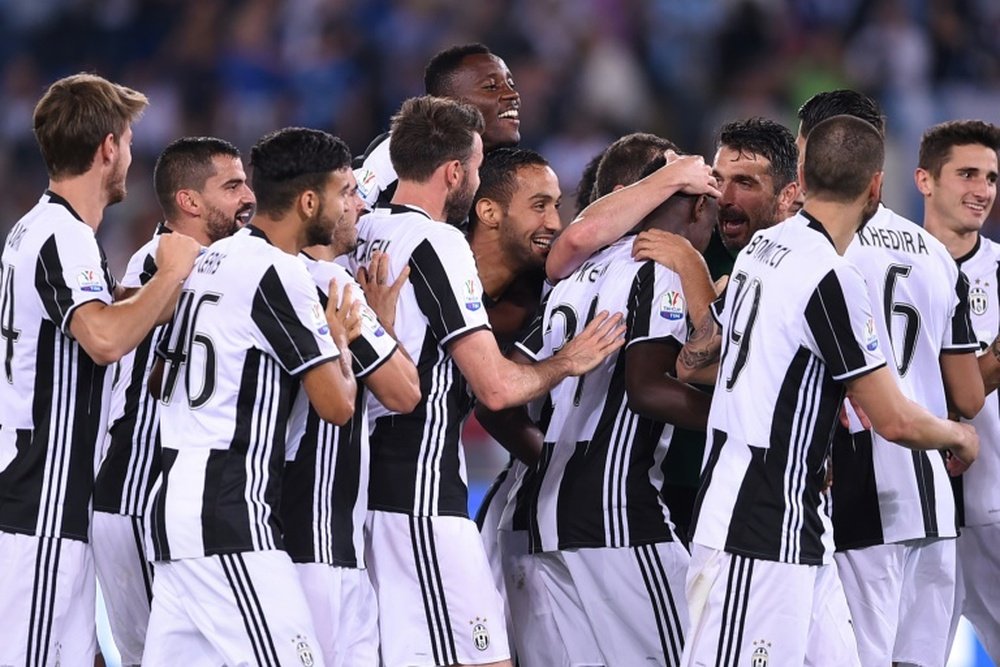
(319, 319)
(90, 280)
(473, 294)
(672, 306)
(871, 335)
(366, 182)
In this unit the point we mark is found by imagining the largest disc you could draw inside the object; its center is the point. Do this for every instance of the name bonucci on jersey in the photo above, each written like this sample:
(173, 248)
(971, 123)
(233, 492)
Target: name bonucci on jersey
(418, 465)
(247, 324)
(885, 493)
(132, 458)
(796, 324)
(599, 478)
(977, 491)
(53, 397)
(325, 491)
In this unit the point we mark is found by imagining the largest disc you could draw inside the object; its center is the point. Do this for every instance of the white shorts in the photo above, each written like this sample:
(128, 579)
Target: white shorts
(47, 601)
(532, 623)
(344, 613)
(746, 611)
(236, 609)
(620, 606)
(126, 579)
(901, 598)
(436, 598)
(978, 589)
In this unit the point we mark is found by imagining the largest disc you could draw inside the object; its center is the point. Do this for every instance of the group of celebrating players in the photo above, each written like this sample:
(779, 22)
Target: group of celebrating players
(741, 399)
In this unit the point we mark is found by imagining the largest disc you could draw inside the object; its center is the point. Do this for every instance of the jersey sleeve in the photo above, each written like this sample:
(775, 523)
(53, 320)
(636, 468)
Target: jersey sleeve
(290, 319)
(657, 308)
(374, 346)
(839, 320)
(960, 336)
(532, 341)
(70, 272)
(376, 173)
(446, 285)
(141, 268)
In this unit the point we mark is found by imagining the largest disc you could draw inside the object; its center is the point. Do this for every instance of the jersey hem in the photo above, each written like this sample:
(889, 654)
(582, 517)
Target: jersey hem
(460, 333)
(861, 372)
(365, 372)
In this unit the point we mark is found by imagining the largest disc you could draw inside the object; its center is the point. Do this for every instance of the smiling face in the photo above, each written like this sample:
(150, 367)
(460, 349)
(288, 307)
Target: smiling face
(336, 201)
(532, 217)
(484, 81)
(962, 195)
(749, 201)
(228, 200)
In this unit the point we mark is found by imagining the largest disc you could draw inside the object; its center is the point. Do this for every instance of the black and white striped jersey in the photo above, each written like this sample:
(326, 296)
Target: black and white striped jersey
(796, 323)
(977, 491)
(248, 322)
(132, 458)
(325, 491)
(885, 493)
(599, 478)
(417, 465)
(53, 397)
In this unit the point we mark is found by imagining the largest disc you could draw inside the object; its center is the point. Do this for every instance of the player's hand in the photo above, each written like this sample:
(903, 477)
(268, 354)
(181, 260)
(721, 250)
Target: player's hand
(602, 336)
(343, 313)
(175, 255)
(845, 420)
(671, 250)
(961, 457)
(382, 296)
(694, 176)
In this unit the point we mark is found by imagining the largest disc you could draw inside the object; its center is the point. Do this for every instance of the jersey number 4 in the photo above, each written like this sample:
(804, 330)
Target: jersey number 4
(185, 346)
(7, 330)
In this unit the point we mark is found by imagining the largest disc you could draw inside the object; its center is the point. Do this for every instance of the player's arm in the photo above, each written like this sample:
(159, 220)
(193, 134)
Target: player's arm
(107, 332)
(653, 392)
(498, 382)
(395, 383)
(989, 366)
(963, 384)
(331, 387)
(512, 427)
(902, 421)
(610, 217)
(677, 254)
(698, 361)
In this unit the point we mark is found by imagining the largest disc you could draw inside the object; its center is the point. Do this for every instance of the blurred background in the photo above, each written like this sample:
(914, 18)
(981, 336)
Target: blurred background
(587, 70)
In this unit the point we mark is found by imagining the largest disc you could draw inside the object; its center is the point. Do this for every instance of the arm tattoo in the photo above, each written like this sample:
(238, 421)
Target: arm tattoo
(703, 347)
(995, 348)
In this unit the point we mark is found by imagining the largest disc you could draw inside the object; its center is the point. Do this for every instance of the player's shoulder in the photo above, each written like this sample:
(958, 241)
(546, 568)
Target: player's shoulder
(323, 271)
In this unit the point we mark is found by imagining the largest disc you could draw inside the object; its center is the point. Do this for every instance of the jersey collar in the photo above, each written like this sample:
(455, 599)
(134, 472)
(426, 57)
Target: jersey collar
(56, 199)
(396, 209)
(816, 225)
(972, 253)
(258, 232)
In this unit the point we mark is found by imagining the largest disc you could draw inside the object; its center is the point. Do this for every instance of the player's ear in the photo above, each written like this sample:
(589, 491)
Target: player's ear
(786, 199)
(922, 178)
(307, 203)
(108, 148)
(187, 201)
(453, 172)
(487, 212)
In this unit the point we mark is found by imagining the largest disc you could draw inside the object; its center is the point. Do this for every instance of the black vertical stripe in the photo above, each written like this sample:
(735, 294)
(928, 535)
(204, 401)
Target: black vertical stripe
(857, 516)
(50, 283)
(144, 565)
(293, 342)
(962, 331)
(433, 291)
(158, 508)
(718, 440)
(924, 475)
(251, 623)
(829, 322)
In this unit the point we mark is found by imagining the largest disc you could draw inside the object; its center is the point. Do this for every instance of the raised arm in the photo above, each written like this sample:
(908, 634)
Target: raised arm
(610, 217)
(698, 361)
(677, 254)
(499, 383)
(107, 332)
(653, 392)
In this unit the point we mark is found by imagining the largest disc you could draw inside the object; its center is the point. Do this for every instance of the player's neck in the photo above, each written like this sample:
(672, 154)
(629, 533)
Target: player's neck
(322, 252)
(429, 199)
(189, 227)
(86, 194)
(283, 234)
(840, 220)
(958, 242)
(495, 272)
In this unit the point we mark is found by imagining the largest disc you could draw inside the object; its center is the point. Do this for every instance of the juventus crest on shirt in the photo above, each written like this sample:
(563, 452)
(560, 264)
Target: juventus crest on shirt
(247, 324)
(796, 324)
(53, 397)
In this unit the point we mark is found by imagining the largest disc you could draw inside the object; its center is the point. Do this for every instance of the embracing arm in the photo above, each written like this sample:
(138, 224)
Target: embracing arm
(610, 217)
(512, 427)
(698, 361)
(499, 383)
(962, 383)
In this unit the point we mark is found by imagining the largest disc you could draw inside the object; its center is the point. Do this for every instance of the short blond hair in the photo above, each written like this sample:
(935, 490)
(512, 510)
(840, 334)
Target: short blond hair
(74, 116)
